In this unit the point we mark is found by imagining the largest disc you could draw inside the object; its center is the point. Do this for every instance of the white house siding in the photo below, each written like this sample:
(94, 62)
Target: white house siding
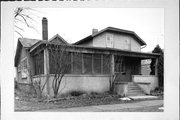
(100, 40)
(84, 83)
(135, 46)
(89, 43)
(120, 41)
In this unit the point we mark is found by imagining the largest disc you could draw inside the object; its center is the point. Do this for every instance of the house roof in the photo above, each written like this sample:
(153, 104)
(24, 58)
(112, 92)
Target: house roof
(111, 29)
(142, 55)
(27, 43)
(58, 36)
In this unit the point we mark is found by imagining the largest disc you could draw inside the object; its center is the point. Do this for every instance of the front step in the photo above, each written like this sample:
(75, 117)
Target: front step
(134, 90)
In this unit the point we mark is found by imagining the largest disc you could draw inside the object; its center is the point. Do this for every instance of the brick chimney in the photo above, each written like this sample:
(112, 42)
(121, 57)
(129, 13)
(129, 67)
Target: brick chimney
(44, 29)
(94, 31)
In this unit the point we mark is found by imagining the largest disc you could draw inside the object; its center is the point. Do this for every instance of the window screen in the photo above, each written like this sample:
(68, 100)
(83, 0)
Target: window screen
(67, 62)
(39, 63)
(97, 64)
(106, 64)
(77, 63)
(60, 63)
(87, 63)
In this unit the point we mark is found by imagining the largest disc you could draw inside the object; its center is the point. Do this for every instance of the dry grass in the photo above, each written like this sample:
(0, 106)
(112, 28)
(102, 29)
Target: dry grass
(26, 102)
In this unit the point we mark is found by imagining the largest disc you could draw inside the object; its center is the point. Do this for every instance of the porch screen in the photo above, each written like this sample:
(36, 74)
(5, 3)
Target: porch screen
(60, 63)
(106, 64)
(77, 63)
(39, 63)
(97, 64)
(87, 63)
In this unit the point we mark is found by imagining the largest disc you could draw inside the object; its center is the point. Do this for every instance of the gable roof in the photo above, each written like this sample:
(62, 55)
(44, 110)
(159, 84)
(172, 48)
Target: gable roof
(60, 39)
(111, 29)
(26, 43)
(30, 43)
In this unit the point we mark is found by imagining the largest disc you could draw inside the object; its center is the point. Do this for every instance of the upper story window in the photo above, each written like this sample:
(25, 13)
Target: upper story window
(109, 40)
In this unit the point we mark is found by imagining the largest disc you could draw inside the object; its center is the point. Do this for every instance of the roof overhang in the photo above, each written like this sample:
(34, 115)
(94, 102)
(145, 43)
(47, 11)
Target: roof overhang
(100, 50)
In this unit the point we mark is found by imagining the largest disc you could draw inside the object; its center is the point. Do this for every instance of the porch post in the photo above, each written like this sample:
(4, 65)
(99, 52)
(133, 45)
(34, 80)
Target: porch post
(112, 72)
(156, 67)
(112, 64)
(46, 69)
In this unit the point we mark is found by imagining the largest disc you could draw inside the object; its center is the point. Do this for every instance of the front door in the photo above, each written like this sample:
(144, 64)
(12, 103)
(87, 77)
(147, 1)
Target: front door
(122, 69)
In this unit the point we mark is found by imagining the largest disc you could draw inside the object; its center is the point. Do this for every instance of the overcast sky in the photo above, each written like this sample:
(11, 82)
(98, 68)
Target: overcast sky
(74, 24)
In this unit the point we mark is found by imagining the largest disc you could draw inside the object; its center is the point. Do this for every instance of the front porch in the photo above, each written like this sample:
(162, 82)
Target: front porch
(128, 78)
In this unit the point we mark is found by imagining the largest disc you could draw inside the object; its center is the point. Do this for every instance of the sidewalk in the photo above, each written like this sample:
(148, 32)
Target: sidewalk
(111, 108)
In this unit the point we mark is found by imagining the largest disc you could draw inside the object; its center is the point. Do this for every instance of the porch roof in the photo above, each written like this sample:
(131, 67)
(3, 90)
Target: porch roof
(98, 50)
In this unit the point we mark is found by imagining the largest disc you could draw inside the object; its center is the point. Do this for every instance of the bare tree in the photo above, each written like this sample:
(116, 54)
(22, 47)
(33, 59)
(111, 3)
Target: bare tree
(60, 62)
(24, 17)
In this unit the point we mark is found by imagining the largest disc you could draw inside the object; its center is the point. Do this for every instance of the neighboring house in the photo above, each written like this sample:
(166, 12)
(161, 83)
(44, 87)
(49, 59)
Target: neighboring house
(145, 67)
(106, 59)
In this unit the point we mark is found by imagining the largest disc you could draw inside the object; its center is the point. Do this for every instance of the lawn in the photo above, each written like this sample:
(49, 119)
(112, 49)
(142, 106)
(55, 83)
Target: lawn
(26, 102)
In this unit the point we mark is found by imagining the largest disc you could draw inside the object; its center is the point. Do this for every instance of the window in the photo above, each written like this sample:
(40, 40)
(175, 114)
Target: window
(77, 63)
(19, 68)
(97, 64)
(106, 64)
(117, 64)
(57, 61)
(109, 40)
(39, 63)
(87, 63)
(24, 68)
(67, 62)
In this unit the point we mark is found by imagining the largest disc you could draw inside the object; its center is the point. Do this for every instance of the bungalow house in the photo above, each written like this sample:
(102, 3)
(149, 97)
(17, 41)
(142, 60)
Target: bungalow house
(109, 59)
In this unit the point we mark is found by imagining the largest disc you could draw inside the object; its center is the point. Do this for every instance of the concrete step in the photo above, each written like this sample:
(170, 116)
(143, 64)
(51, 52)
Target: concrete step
(134, 90)
(135, 94)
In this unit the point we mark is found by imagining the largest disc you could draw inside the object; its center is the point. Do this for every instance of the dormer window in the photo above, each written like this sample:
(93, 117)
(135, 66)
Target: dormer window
(109, 40)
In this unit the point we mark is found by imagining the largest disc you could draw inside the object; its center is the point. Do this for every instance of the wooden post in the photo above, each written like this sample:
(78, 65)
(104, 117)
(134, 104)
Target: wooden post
(112, 72)
(46, 70)
(156, 67)
(112, 64)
